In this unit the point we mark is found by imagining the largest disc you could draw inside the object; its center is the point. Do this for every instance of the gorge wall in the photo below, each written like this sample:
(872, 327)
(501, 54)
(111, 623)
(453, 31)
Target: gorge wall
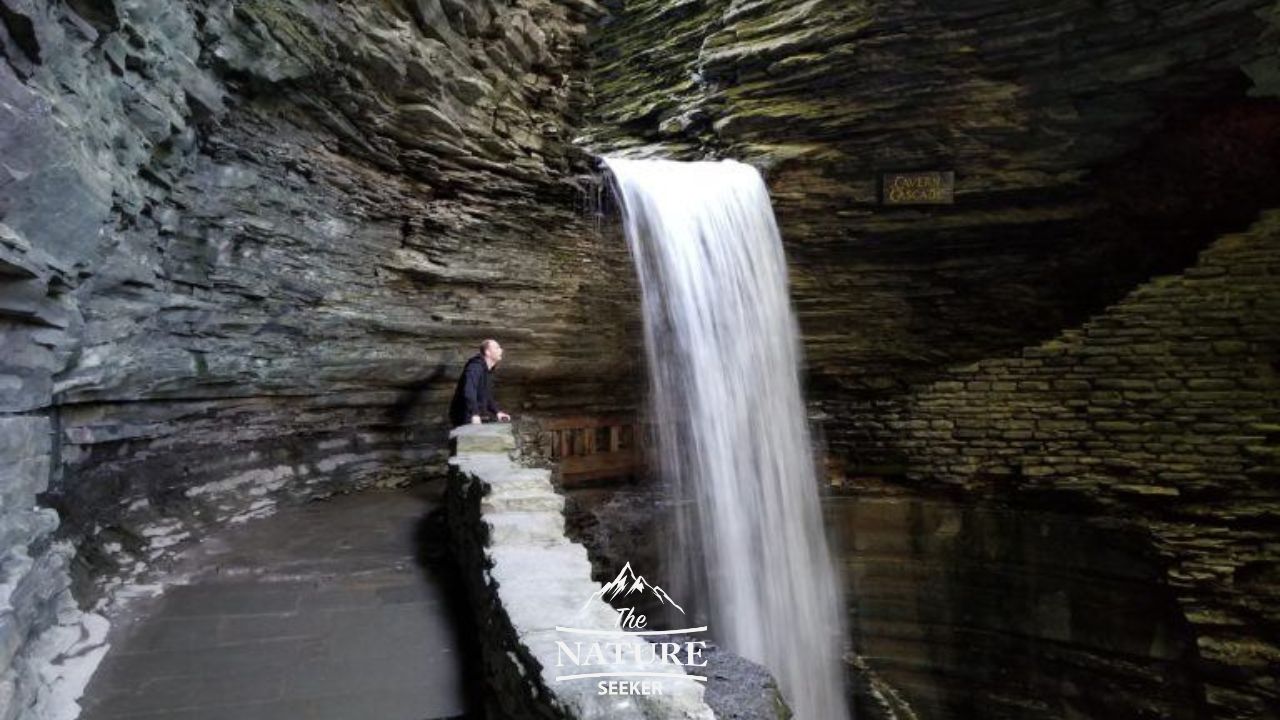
(1085, 161)
(1096, 145)
(244, 247)
(1157, 419)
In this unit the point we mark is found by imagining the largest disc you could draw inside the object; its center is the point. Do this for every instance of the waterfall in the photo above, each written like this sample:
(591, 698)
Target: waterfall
(731, 433)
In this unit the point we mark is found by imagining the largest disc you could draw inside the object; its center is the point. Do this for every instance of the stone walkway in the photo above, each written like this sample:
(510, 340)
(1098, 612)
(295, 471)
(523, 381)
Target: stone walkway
(335, 610)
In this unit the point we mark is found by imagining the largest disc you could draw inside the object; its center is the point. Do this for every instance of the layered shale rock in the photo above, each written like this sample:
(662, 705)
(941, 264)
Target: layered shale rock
(973, 609)
(244, 246)
(48, 647)
(1036, 109)
(1086, 161)
(1163, 414)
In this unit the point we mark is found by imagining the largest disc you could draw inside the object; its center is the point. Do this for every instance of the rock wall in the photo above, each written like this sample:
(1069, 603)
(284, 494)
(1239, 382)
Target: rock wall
(48, 648)
(1163, 413)
(1085, 161)
(962, 608)
(244, 247)
(1086, 164)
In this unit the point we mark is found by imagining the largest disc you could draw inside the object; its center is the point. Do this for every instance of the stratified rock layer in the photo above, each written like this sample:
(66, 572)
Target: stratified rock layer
(1095, 145)
(48, 648)
(1163, 412)
(974, 609)
(245, 246)
(1036, 109)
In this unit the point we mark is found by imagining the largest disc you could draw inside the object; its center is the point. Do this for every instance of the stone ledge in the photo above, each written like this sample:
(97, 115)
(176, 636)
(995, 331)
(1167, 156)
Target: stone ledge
(524, 578)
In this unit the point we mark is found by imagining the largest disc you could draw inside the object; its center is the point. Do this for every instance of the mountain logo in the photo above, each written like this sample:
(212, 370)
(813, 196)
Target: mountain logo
(626, 658)
(626, 585)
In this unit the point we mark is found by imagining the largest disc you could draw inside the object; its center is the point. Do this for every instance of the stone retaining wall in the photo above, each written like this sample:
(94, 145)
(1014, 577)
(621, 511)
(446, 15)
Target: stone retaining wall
(525, 577)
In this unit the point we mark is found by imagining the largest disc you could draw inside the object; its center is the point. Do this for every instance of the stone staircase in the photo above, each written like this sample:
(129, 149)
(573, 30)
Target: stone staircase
(525, 578)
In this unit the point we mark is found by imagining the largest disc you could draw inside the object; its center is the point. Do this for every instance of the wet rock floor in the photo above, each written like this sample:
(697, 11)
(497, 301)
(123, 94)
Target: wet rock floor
(335, 610)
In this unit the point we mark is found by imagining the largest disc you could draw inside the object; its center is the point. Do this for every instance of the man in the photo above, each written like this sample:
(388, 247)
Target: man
(473, 397)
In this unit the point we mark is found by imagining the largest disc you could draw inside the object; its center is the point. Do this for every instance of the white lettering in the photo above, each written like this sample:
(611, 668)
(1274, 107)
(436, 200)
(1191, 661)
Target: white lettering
(696, 653)
(562, 650)
(688, 654)
(628, 687)
(628, 619)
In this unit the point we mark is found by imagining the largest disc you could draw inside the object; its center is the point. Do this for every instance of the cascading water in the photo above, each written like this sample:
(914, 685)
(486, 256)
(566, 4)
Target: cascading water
(723, 354)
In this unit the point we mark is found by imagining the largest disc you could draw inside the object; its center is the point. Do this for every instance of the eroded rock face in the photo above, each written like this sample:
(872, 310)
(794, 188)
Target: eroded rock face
(244, 248)
(1086, 162)
(1033, 107)
(1161, 413)
(304, 217)
(965, 609)
(1067, 138)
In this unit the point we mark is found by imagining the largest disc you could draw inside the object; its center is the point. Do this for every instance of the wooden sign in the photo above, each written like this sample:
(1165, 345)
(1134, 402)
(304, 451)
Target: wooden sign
(918, 188)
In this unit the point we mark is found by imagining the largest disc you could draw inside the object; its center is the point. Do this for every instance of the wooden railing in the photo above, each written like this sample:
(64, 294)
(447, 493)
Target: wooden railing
(595, 448)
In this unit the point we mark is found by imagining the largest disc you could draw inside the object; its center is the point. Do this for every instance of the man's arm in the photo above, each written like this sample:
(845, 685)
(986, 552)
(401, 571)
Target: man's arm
(493, 403)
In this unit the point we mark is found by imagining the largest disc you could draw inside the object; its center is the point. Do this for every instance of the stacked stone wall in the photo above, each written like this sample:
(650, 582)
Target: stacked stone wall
(1162, 412)
(524, 578)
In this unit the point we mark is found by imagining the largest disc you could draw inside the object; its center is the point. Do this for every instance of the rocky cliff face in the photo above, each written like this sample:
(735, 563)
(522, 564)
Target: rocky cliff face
(1161, 414)
(967, 608)
(1085, 161)
(244, 246)
(1095, 145)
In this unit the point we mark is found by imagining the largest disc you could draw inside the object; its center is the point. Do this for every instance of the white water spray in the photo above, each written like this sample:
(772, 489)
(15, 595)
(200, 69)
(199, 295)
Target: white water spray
(731, 432)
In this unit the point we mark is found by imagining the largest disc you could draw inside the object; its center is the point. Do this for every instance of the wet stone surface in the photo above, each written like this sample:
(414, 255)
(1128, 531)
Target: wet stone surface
(336, 609)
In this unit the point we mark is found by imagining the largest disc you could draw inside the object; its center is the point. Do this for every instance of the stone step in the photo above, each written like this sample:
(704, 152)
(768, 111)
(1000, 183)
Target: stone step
(537, 500)
(529, 528)
(545, 605)
(485, 465)
(565, 559)
(494, 438)
(520, 480)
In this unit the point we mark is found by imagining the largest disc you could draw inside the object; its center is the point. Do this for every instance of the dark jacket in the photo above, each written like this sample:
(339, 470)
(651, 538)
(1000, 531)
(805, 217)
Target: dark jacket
(474, 393)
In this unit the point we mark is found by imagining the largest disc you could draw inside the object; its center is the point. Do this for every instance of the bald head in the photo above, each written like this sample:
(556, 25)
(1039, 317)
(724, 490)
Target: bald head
(491, 351)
